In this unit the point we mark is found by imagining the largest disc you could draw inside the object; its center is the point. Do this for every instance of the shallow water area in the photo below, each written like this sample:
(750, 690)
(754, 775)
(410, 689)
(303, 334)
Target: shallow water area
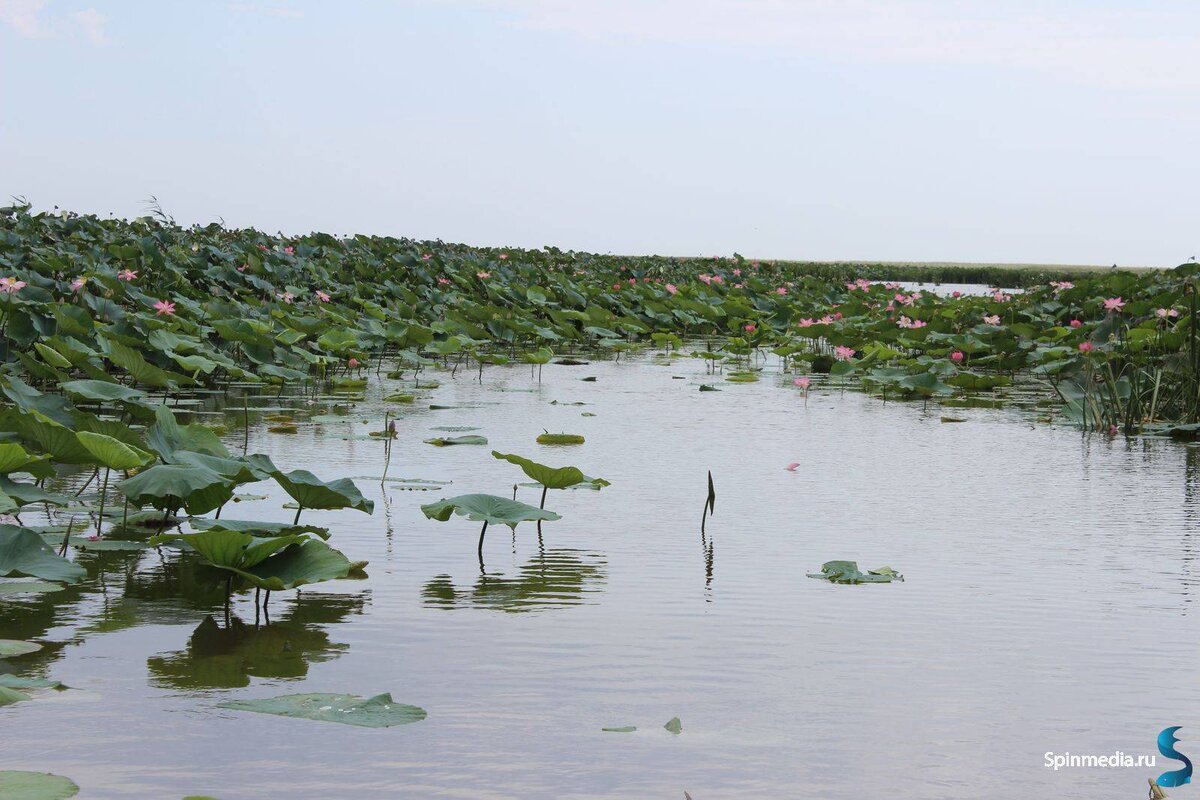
(1049, 605)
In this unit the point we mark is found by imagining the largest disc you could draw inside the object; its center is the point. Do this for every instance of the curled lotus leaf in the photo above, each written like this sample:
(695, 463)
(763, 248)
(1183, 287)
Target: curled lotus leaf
(311, 492)
(550, 477)
(23, 552)
(168, 487)
(487, 508)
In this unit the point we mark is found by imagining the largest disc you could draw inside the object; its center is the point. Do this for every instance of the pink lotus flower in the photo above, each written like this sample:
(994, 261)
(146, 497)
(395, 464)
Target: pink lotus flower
(1076, 323)
(803, 383)
(1060, 286)
(842, 353)
(352, 363)
(792, 466)
(1086, 347)
(1001, 297)
(291, 251)
(127, 274)
(483, 276)
(671, 288)
(750, 328)
(807, 322)
(286, 297)
(1113, 430)
(633, 281)
(262, 247)
(717, 279)
(993, 319)
(504, 256)
(1114, 304)
(737, 286)
(1163, 313)
(956, 356)
(443, 281)
(956, 294)
(243, 268)
(826, 320)
(322, 296)
(78, 284)
(781, 290)
(737, 273)
(11, 285)
(617, 287)
(426, 256)
(164, 307)
(706, 278)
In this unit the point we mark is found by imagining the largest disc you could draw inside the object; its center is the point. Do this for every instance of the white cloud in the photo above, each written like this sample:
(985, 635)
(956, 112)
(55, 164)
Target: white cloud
(91, 22)
(28, 19)
(1137, 46)
(22, 15)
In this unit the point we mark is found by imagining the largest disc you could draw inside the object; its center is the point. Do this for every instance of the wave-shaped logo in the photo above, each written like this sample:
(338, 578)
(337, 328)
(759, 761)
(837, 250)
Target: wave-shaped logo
(1166, 746)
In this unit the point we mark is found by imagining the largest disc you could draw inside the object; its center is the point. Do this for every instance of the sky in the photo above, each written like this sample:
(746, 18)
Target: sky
(1060, 131)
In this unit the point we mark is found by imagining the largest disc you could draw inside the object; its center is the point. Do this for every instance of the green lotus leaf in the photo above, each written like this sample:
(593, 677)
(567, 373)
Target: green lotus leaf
(550, 477)
(25, 493)
(9, 695)
(51, 356)
(8, 588)
(12, 647)
(169, 487)
(255, 528)
(452, 440)
(848, 572)
(23, 552)
(21, 785)
(113, 454)
(308, 561)
(237, 470)
(311, 492)
(560, 438)
(374, 712)
(17, 682)
(101, 391)
(13, 458)
(674, 726)
(487, 508)
(166, 436)
(229, 550)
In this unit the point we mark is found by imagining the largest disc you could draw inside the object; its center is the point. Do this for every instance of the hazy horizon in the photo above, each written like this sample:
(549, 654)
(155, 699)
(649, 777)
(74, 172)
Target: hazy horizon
(860, 130)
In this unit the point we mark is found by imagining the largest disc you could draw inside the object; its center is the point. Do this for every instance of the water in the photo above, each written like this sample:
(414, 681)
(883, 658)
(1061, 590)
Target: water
(1049, 606)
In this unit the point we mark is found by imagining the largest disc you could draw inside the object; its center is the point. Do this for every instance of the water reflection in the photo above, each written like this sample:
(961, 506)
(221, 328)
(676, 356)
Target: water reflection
(555, 578)
(226, 656)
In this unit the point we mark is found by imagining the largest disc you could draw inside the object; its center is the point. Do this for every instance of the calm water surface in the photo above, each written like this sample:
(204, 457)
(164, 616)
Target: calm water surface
(1050, 605)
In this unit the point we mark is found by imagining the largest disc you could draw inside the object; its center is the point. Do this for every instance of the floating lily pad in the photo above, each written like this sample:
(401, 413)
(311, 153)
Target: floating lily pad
(8, 588)
(445, 442)
(379, 711)
(454, 428)
(624, 729)
(560, 438)
(674, 726)
(17, 682)
(21, 785)
(14, 647)
(848, 572)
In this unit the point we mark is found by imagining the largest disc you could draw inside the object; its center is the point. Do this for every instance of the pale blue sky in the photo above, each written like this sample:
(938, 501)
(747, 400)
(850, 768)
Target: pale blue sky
(1063, 131)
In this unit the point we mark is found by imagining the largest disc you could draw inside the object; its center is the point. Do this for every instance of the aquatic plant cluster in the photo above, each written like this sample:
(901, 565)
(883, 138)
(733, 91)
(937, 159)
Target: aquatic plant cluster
(149, 304)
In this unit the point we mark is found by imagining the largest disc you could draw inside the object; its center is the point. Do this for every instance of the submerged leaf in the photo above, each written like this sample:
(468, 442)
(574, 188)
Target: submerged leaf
(560, 438)
(379, 711)
(445, 441)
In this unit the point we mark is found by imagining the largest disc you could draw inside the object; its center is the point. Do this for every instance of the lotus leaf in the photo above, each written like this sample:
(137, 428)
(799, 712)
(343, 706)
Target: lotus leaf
(848, 572)
(487, 508)
(379, 711)
(23, 552)
(21, 785)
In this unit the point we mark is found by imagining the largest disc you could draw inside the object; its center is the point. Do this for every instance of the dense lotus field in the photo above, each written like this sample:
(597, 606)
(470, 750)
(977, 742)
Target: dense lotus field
(104, 322)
